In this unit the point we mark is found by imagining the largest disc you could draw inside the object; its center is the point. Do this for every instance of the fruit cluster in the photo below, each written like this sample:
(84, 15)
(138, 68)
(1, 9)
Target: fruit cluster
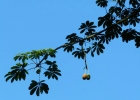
(86, 76)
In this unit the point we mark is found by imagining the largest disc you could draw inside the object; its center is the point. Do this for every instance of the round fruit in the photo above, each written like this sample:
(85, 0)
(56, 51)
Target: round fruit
(84, 76)
(88, 77)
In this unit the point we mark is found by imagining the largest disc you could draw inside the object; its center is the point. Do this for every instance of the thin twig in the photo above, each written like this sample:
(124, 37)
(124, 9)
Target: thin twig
(31, 68)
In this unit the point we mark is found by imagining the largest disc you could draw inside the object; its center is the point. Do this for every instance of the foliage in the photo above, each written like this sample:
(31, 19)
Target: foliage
(112, 22)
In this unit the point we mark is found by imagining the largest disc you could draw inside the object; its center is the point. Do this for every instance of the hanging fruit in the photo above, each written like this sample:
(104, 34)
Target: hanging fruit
(84, 76)
(88, 76)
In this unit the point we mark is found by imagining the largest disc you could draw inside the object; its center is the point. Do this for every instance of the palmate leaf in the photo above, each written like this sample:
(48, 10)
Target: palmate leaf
(72, 38)
(98, 47)
(35, 87)
(17, 73)
(128, 35)
(51, 52)
(102, 3)
(22, 56)
(52, 71)
(52, 74)
(82, 26)
(79, 53)
(69, 48)
(88, 27)
(11, 76)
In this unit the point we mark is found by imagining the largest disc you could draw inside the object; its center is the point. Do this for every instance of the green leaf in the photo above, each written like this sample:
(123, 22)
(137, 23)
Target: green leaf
(20, 58)
(16, 57)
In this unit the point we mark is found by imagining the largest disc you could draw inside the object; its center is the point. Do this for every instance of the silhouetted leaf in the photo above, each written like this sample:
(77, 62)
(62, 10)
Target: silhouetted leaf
(92, 53)
(55, 77)
(37, 91)
(33, 84)
(48, 62)
(8, 78)
(101, 46)
(69, 48)
(57, 73)
(98, 51)
(100, 22)
(45, 88)
(32, 91)
(49, 75)
(102, 3)
(82, 31)
(13, 78)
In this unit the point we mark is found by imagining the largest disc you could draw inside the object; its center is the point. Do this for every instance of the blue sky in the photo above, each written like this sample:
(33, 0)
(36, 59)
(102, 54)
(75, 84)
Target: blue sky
(27, 25)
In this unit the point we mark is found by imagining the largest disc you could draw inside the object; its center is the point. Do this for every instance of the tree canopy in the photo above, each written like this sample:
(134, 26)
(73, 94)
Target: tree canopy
(116, 17)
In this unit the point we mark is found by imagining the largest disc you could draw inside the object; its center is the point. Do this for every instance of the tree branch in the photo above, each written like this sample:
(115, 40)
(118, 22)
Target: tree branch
(66, 44)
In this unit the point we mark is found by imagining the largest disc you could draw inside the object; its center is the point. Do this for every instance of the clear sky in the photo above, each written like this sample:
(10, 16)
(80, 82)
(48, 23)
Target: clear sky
(27, 25)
